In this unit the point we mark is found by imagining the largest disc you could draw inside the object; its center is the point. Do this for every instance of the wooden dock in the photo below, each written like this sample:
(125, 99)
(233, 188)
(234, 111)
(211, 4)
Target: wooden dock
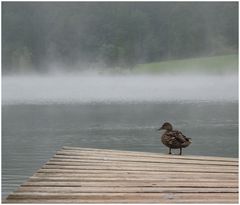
(81, 175)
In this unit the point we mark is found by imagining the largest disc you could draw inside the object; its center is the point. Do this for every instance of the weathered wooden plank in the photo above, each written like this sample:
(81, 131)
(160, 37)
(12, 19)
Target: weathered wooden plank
(137, 175)
(146, 168)
(137, 160)
(131, 173)
(132, 163)
(106, 179)
(106, 200)
(145, 154)
(138, 165)
(126, 196)
(101, 179)
(136, 189)
(127, 183)
(162, 161)
(109, 157)
(69, 171)
(113, 200)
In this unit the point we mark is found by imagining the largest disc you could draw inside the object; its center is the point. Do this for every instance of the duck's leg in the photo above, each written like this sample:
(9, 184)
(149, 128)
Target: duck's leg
(169, 151)
(180, 151)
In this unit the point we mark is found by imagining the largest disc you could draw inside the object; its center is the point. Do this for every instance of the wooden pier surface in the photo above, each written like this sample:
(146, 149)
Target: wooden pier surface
(82, 175)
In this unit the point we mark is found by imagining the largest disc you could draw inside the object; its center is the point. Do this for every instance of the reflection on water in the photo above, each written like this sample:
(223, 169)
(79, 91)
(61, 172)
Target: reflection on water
(32, 133)
(42, 114)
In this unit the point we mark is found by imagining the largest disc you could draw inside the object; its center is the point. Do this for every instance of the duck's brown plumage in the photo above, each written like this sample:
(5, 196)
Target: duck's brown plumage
(174, 139)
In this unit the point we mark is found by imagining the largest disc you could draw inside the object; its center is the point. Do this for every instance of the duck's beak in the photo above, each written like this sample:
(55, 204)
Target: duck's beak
(159, 129)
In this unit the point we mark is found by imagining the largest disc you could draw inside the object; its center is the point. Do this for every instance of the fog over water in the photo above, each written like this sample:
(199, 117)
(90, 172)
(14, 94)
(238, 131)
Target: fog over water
(117, 88)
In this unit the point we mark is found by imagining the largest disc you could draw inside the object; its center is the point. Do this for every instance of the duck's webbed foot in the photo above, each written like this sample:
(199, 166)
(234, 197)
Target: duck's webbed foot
(169, 151)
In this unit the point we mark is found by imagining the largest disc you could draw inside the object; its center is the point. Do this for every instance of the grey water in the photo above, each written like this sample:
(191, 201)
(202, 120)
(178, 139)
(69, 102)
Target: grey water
(42, 114)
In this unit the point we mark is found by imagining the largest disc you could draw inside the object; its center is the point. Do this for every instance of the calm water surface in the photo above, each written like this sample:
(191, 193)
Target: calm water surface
(107, 115)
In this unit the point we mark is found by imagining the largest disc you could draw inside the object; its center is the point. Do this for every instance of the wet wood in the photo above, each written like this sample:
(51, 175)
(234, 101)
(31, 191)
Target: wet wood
(83, 175)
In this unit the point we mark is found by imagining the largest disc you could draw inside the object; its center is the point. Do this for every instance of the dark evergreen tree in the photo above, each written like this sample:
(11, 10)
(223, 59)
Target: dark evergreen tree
(113, 34)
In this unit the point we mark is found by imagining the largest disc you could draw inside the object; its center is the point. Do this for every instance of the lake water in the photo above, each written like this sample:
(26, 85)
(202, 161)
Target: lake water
(42, 114)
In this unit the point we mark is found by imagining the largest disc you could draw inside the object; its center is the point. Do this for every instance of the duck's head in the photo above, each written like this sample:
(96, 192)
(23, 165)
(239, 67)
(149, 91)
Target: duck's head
(166, 126)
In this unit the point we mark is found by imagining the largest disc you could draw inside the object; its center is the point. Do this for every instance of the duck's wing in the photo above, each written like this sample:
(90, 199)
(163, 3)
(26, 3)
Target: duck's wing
(180, 137)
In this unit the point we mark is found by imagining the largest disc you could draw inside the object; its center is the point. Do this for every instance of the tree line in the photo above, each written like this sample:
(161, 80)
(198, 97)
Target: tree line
(79, 35)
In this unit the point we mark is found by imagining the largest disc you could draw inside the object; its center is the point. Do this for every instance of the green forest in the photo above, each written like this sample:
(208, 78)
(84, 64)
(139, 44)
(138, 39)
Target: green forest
(82, 35)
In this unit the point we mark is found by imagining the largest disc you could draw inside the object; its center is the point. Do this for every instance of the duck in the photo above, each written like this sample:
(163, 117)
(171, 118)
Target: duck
(174, 139)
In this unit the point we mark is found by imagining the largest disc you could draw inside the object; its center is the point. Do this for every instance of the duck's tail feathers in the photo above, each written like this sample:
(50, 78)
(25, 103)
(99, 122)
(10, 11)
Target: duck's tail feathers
(189, 139)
